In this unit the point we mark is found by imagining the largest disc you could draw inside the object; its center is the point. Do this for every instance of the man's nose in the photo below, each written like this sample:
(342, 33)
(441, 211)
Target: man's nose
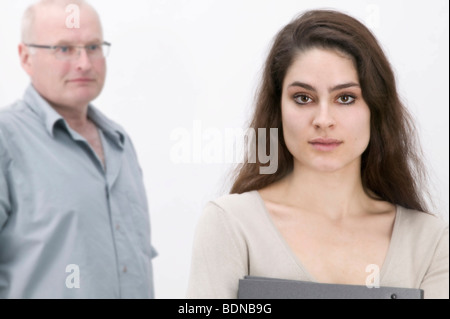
(83, 60)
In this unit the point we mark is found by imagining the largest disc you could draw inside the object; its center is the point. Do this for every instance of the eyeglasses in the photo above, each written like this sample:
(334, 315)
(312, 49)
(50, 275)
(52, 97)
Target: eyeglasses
(71, 52)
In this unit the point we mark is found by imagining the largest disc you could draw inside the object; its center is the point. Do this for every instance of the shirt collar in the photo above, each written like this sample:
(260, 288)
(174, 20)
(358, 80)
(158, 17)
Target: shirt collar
(42, 109)
(113, 130)
(50, 117)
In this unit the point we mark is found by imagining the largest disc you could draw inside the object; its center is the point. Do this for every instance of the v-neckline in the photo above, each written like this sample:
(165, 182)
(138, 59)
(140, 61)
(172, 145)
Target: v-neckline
(387, 259)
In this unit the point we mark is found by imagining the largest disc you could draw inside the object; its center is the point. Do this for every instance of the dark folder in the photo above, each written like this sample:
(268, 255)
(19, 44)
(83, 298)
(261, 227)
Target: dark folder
(271, 288)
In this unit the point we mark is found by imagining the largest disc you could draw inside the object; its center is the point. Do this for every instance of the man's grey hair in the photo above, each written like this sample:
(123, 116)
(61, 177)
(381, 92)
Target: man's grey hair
(30, 13)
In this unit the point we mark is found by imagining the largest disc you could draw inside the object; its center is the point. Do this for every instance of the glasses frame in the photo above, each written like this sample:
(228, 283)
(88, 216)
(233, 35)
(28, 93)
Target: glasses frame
(54, 47)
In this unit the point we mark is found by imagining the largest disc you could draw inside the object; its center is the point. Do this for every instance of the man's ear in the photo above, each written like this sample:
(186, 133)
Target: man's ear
(25, 58)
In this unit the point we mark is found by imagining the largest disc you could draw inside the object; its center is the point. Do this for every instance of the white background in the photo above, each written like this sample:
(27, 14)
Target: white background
(195, 64)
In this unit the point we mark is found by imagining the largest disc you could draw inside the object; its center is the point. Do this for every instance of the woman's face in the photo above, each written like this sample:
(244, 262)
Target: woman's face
(326, 122)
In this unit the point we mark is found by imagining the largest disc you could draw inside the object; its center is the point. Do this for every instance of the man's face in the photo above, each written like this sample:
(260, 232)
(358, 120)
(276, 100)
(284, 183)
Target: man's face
(72, 83)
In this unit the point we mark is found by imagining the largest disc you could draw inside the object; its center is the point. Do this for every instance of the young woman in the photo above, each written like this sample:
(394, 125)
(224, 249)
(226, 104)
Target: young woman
(347, 194)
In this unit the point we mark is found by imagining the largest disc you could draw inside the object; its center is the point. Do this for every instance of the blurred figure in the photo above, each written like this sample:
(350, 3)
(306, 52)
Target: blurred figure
(74, 219)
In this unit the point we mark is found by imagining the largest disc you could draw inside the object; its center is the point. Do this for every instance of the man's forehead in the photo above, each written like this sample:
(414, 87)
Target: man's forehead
(52, 22)
(59, 14)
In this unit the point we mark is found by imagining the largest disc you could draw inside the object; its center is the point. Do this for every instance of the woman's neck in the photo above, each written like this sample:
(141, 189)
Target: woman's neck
(337, 194)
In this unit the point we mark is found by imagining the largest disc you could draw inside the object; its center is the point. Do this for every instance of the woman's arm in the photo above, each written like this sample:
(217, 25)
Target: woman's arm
(219, 256)
(435, 283)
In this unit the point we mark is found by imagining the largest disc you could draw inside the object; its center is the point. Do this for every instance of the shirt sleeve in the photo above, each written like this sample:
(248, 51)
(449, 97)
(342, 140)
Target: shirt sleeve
(436, 281)
(5, 206)
(219, 256)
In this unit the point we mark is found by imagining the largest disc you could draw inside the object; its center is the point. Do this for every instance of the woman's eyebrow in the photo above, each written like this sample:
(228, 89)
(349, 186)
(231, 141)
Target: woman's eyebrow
(335, 88)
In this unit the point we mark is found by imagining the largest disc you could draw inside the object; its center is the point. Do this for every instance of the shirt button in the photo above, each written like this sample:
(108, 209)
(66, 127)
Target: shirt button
(124, 270)
(117, 226)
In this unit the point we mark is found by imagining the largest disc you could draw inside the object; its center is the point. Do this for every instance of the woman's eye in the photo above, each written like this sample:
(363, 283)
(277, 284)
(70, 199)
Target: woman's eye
(302, 99)
(346, 99)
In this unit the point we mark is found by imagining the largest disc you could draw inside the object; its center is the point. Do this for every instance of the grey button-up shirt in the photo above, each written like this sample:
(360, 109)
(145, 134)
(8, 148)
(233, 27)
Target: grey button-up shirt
(69, 227)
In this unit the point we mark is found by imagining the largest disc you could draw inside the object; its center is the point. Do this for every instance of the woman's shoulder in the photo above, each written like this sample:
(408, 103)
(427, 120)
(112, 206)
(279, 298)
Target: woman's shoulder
(422, 225)
(238, 205)
(237, 213)
(236, 199)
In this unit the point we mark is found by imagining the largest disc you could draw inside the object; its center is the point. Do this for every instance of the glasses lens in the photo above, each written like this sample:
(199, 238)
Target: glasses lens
(105, 49)
(65, 52)
(94, 51)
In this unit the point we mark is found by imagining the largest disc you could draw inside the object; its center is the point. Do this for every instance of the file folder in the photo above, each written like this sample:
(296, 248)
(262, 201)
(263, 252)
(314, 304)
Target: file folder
(252, 287)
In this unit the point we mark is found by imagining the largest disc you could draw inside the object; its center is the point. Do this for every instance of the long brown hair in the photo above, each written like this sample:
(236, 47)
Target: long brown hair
(391, 168)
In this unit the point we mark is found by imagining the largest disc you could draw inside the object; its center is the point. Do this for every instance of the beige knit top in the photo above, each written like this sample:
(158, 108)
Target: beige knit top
(236, 237)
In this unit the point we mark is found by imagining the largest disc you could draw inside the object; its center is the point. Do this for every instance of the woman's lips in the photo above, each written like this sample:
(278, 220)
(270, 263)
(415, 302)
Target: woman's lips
(325, 144)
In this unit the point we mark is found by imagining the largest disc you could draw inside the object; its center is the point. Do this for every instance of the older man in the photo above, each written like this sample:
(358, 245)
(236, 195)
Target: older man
(73, 211)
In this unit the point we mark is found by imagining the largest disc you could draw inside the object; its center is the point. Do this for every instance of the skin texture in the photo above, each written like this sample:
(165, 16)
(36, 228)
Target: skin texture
(318, 112)
(334, 228)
